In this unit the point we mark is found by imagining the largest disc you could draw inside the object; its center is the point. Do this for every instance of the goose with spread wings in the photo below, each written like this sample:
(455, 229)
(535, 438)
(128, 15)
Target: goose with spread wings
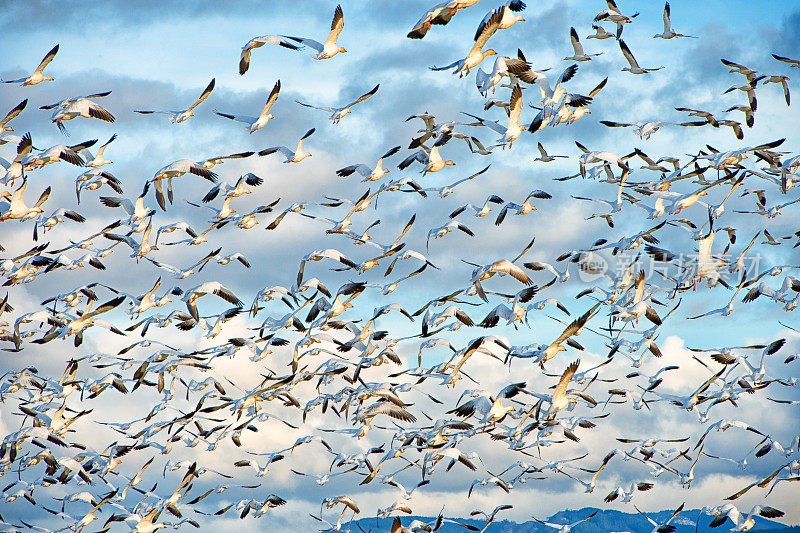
(668, 32)
(330, 48)
(577, 47)
(291, 157)
(514, 129)
(256, 123)
(476, 54)
(176, 117)
(633, 67)
(257, 42)
(338, 113)
(38, 76)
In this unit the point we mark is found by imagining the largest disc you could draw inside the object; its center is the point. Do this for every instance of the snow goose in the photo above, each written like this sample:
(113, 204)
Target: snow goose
(330, 48)
(57, 153)
(476, 53)
(478, 210)
(552, 96)
(514, 130)
(234, 191)
(82, 107)
(643, 129)
(749, 116)
(257, 42)
(173, 170)
(140, 249)
(782, 80)
(291, 157)
(793, 63)
(338, 113)
(93, 179)
(565, 528)
(14, 169)
(96, 161)
(445, 191)
(614, 15)
(668, 32)
(577, 47)
(705, 115)
(431, 158)
(600, 33)
(369, 174)
(212, 287)
(740, 522)
(441, 231)
(176, 117)
(17, 208)
(508, 18)
(136, 212)
(58, 216)
(545, 158)
(526, 207)
(422, 26)
(37, 76)
(439, 14)
(477, 147)
(256, 123)
(211, 162)
(633, 67)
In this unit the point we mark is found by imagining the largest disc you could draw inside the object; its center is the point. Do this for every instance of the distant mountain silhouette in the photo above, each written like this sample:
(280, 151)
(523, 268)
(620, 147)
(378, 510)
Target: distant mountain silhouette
(605, 521)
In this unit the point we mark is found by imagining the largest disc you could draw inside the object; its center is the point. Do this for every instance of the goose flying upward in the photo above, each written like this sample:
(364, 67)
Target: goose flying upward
(330, 48)
(668, 32)
(634, 67)
(338, 113)
(291, 157)
(176, 117)
(37, 76)
(256, 123)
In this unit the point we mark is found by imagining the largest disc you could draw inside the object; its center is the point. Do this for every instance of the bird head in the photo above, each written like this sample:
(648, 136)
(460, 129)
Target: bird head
(489, 52)
(342, 50)
(449, 163)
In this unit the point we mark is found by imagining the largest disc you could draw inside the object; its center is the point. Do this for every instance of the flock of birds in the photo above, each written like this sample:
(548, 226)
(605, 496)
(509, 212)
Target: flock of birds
(332, 373)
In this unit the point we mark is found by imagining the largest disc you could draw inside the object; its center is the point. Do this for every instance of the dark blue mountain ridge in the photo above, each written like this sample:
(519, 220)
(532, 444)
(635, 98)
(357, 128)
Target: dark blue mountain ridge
(605, 521)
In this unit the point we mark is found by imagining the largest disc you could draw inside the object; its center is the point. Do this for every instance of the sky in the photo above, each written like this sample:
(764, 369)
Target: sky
(156, 56)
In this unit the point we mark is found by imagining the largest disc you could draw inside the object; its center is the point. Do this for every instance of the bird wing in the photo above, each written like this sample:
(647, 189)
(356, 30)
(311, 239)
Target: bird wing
(323, 108)
(561, 388)
(316, 45)
(364, 96)
(628, 55)
(515, 105)
(203, 96)
(611, 124)
(597, 89)
(273, 97)
(47, 59)
(667, 24)
(488, 30)
(507, 267)
(492, 124)
(576, 43)
(337, 24)
(239, 118)
(14, 112)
